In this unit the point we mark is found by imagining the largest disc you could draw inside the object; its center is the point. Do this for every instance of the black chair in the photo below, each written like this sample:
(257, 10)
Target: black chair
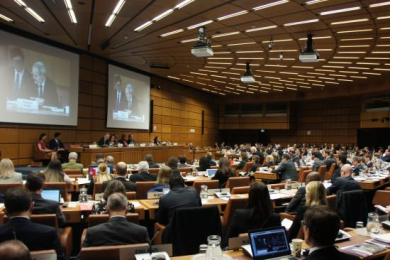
(352, 207)
(190, 227)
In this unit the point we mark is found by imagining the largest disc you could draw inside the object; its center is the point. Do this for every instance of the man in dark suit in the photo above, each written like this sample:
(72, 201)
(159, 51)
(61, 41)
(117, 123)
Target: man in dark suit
(345, 182)
(287, 169)
(121, 175)
(179, 196)
(143, 174)
(35, 184)
(321, 226)
(329, 160)
(55, 143)
(104, 141)
(119, 94)
(317, 162)
(44, 87)
(20, 77)
(150, 159)
(117, 231)
(19, 227)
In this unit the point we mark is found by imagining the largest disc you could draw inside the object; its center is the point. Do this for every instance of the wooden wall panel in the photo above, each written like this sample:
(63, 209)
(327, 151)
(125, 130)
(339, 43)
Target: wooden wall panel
(177, 110)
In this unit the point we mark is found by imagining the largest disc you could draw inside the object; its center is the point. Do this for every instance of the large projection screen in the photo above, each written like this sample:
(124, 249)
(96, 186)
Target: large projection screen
(39, 83)
(128, 99)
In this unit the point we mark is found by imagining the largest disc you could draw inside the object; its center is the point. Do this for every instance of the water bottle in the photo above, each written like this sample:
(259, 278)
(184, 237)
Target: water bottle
(214, 251)
(373, 223)
(83, 197)
(204, 192)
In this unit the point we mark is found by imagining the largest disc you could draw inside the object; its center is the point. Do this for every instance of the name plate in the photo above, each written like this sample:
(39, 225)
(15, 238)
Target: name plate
(27, 104)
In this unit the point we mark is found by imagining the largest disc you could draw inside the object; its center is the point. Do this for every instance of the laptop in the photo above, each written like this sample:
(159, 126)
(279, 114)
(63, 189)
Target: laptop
(51, 194)
(211, 172)
(271, 243)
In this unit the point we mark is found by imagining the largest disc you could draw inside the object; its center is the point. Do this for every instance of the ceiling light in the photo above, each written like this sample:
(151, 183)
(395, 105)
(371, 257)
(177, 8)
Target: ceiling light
(358, 77)
(385, 17)
(301, 22)
(354, 46)
(331, 12)
(346, 57)
(280, 51)
(351, 52)
(29, 10)
(173, 77)
(261, 28)
(316, 38)
(233, 15)
(188, 40)
(329, 82)
(358, 68)
(339, 62)
(270, 5)
(251, 58)
(220, 63)
(289, 73)
(371, 73)
(349, 21)
(377, 58)
(356, 39)
(143, 26)
(385, 28)
(217, 76)
(275, 65)
(171, 33)
(225, 34)
(114, 13)
(380, 52)
(277, 41)
(249, 52)
(354, 31)
(183, 4)
(379, 4)
(333, 66)
(162, 15)
(200, 24)
(220, 58)
(5, 18)
(324, 70)
(302, 67)
(70, 11)
(349, 72)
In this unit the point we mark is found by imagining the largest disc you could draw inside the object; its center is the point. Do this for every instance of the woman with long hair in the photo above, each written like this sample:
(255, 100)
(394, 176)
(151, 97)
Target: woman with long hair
(54, 173)
(102, 174)
(7, 173)
(162, 179)
(259, 214)
(224, 172)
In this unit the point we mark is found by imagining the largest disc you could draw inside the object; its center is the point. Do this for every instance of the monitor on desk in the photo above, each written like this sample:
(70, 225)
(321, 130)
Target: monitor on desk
(51, 194)
(211, 172)
(269, 243)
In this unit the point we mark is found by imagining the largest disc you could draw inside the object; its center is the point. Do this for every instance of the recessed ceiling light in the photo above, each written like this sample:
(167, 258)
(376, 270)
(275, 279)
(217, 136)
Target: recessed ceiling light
(162, 15)
(337, 75)
(225, 34)
(240, 44)
(172, 33)
(5, 18)
(316, 38)
(280, 59)
(384, 17)
(349, 21)
(270, 5)
(354, 46)
(354, 31)
(249, 52)
(196, 73)
(371, 73)
(30, 11)
(261, 28)
(217, 76)
(277, 41)
(333, 66)
(324, 70)
(345, 80)
(334, 83)
(302, 67)
(114, 13)
(380, 52)
(379, 4)
(351, 52)
(349, 72)
(183, 4)
(220, 58)
(339, 62)
(233, 15)
(221, 63)
(70, 10)
(173, 77)
(280, 51)
(358, 68)
(301, 22)
(200, 24)
(210, 71)
(276, 65)
(385, 28)
(331, 12)
(251, 58)
(188, 40)
(346, 57)
(327, 78)
(222, 52)
(311, 2)
(368, 63)
(143, 26)
(356, 39)
(377, 58)
(358, 77)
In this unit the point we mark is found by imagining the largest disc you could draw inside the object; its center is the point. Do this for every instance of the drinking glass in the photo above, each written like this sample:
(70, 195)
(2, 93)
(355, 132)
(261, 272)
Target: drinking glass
(204, 192)
(373, 223)
(214, 251)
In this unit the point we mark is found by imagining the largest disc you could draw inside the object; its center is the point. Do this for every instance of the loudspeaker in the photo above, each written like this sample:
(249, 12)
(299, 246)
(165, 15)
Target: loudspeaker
(203, 122)
(151, 116)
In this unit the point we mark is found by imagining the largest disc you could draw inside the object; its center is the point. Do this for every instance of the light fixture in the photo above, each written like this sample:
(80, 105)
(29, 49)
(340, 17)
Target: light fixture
(270, 5)
(70, 11)
(3, 17)
(301, 22)
(309, 54)
(162, 15)
(356, 39)
(30, 11)
(261, 28)
(385, 17)
(183, 4)
(247, 77)
(202, 47)
(171, 33)
(233, 15)
(354, 31)
(188, 40)
(349, 21)
(331, 12)
(375, 5)
(225, 34)
(143, 26)
(199, 24)
(114, 13)
(316, 38)
(249, 52)
(312, 2)
(240, 44)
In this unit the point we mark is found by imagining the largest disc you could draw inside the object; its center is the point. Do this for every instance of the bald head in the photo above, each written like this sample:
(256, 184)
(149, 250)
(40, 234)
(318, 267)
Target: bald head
(14, 250)
(346, 170)
(121, 168)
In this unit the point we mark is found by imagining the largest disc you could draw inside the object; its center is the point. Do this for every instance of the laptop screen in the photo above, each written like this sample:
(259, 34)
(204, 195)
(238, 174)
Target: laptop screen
(53, 195)
(269, 243)
(211, 172)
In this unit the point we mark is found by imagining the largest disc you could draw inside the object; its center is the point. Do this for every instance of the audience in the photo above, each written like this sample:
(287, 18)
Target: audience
(298, 201)
(117, 231)
(179, 196)
(143, 173)
(258, 215)
(54, 173)
(182, 162)
(35, 236)
(72, 163)
(287, 169)
(317, 162)
(162, 180)
(150, 159)
(34, 184)
(7, 173)
(243, 161)
(173, 164)
(341, 160)
(321, 226)
(121, 175)
(14, 250)
(256, 163)
(345, 182)
(203, 164)
(103, 174)
(315, 195)
(224, 172)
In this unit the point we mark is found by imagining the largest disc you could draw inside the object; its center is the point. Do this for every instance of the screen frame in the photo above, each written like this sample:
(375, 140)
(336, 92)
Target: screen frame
(272, 255)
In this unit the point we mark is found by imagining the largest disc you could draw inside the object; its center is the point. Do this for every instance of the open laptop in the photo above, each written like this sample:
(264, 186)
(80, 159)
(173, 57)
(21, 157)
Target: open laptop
(271, 243)
(51, 194)
(211, 172)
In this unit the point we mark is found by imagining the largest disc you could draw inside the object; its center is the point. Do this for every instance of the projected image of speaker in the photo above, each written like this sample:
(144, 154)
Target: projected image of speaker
(39, 82)
(128, 99)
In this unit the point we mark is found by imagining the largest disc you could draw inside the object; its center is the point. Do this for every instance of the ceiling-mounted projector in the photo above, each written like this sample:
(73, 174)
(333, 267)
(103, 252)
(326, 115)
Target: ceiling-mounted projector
(247, 77)
(309, 54)
(202, 47)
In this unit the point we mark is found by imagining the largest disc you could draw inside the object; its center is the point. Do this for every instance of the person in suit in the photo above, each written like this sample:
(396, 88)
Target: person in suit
(211, 161)
(8, 174)
(121, 175)
(119, 96)
(299, 200)
(341, 160)
(72, 162)
(182, 162)
(117, 231)
(44, 87)
(131, 140)
(22, 81)
(224, 172)
(321, 226)
(143, 174)
(315, 195)
(179, 196)
(58, 146)
(34, 184)
(329, 159)
(287, 169)
(345, 182)
(203, 164)
(242, 163)
(123, 140)
(317, 162)
(14, 250)
(256, 163)
(150, 159)
(258, 215)
(357, 166)
(35, 236)
(104, 141)
(129, 97)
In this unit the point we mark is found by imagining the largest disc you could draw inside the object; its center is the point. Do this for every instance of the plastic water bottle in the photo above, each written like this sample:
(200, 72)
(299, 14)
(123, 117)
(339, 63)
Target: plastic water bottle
(83, 197)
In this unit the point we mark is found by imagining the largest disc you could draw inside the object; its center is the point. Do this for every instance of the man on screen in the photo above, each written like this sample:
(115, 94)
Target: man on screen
(129, 95)
(44, 87)
(21, 78)
(118, 94)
